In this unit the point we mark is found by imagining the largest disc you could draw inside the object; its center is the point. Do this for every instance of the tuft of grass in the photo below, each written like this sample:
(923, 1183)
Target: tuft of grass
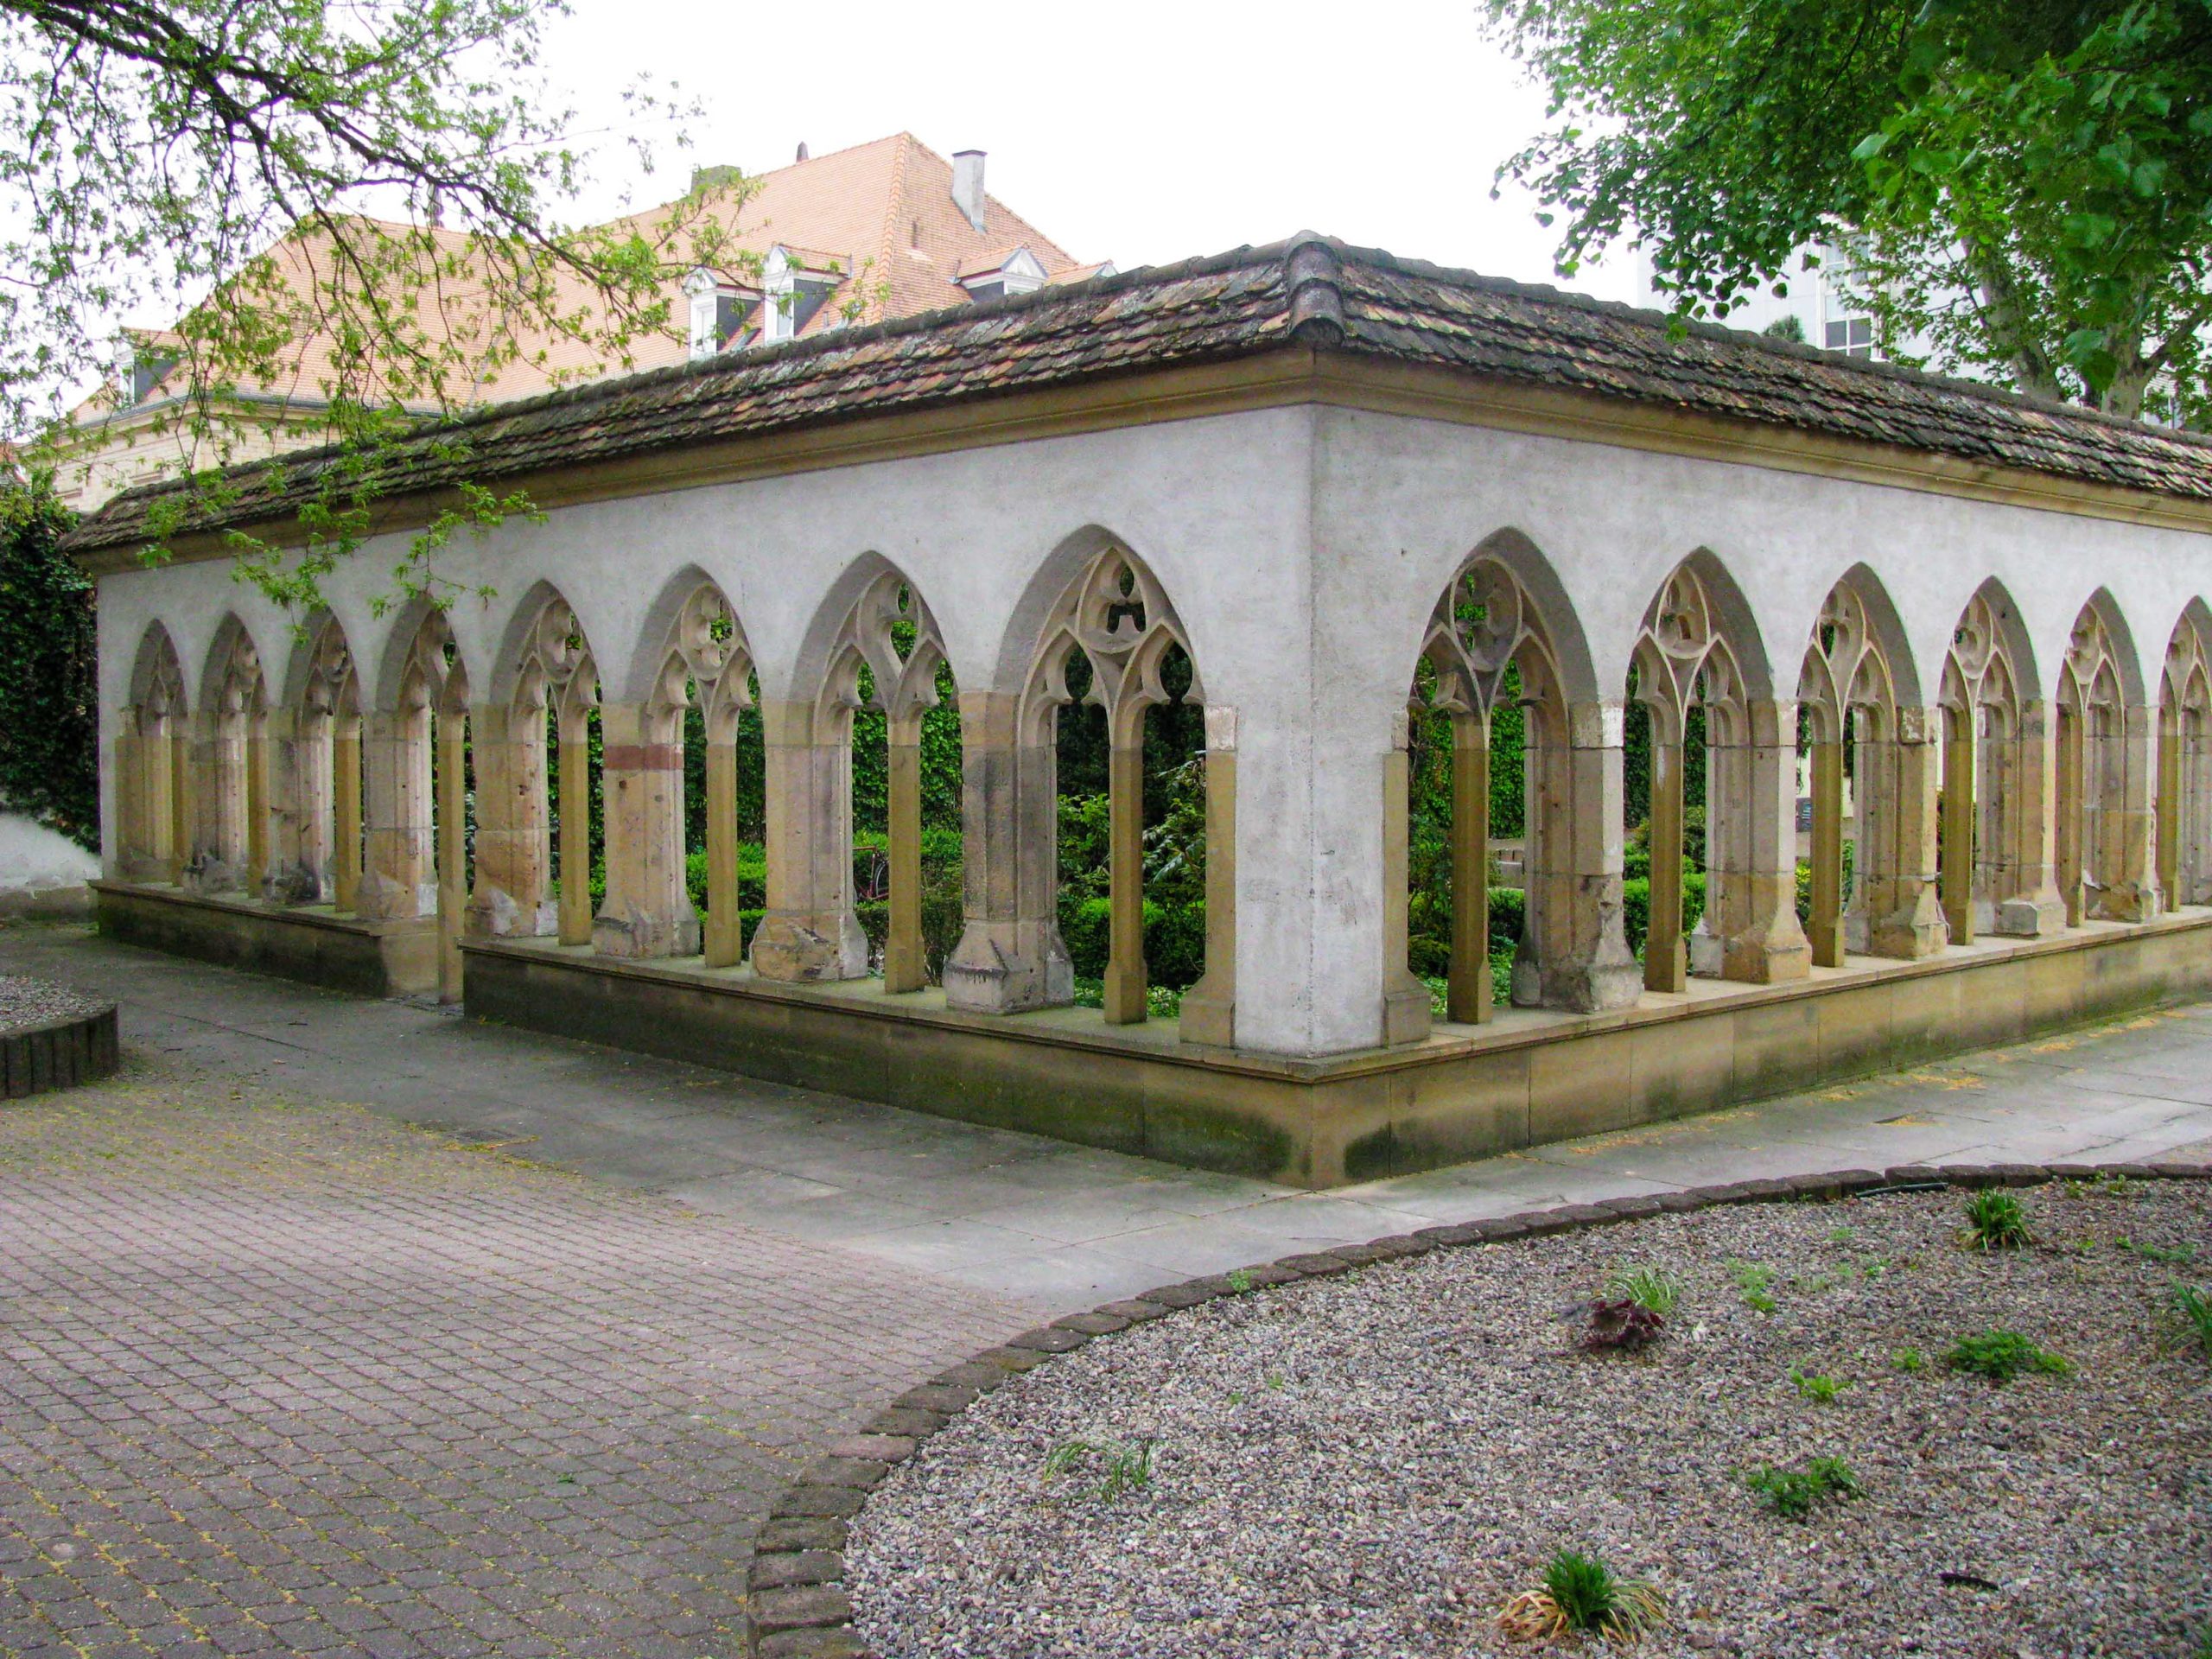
(2193, 1306)
(1756, 1282)
(1996, 1222)
(2177, 1256)
(1124, 1468)
(1240, 1280)
(1794, 1492)
(1649, 1288)
(1822, 1390)
(2000, 1356)
(1908, 1359)
(1580, 1592)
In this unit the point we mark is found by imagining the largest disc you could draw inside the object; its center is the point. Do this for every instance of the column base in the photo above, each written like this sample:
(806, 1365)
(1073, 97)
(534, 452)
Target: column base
(208, 876)
(2026, 918)
(383, 899)
(2127, 901)
(1125, 995)
(294, 884)
(1912, 933)
(1409, 1015)
(800, 946)
(1008, 967)
(1208, 1016)
(494, 913)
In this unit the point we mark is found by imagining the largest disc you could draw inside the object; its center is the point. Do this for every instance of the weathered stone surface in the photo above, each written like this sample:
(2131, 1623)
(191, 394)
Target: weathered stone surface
(795, 1567)
(799, 1607)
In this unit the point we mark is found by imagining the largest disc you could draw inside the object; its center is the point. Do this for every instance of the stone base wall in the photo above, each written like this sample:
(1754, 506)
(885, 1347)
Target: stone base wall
(341, 953)
(1467, 1092)
(59, 1055)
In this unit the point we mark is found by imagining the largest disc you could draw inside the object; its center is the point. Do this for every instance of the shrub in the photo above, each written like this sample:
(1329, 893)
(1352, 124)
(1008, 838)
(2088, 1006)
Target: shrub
(1794, 1493)
(2000, 1356)
(1580, 1592)
(1996, 1222)
(49, 720)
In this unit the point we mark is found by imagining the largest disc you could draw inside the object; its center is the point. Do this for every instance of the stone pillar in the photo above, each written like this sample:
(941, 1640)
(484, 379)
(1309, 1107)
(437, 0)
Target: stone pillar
(1900, 909)
(218, 843)
(1750, 930)
(1407, 1017)
(134, 855)
(1825, 935)
(2015, 891)
(2170, 807)
(903, 966)
(574, 920)
(184, 812)
(1010, 956)
(1209, 1007)
(2195, 857)
(346, 812)
(809, 930)
(1958, 831)
(299, 808)
(2067, 817)
(511, 896)
(398, 881)
(257, 805)
(1467, 999)
(1666, 963)
(647, 910)
(724, 930)
(452, 850)
(1124, 997)
(2126, 857)
(1572, 953)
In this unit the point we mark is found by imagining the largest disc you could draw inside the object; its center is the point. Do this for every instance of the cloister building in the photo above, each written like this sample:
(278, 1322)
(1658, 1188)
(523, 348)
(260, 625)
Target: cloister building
(1356, 493)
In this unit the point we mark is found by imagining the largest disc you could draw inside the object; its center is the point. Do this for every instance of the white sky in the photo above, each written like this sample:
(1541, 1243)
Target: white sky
(1129, 130)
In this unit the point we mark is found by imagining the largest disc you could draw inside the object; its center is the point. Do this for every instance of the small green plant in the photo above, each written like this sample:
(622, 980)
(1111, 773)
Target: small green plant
(2193, 1307)
(1240, 1280)
(1274, 1379)
(1756, 1282)
(1653, 1291)
(2000, 1356)
(1794, 1493)
(1996, 1222)
(2110, 1186)
(1125, 1468)
(1908, 1359)
(1580, 1592)
(1822, 1390)
(1237, 1396)
(1842, 1234)
(2177, 1256)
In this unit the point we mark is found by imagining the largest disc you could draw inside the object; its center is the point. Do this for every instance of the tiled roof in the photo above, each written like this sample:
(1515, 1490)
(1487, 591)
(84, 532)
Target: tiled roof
(1319, 292)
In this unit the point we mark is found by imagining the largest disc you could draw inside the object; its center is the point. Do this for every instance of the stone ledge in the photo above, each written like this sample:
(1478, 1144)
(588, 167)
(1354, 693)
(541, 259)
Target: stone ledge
(60, 1053)
(796, 1606)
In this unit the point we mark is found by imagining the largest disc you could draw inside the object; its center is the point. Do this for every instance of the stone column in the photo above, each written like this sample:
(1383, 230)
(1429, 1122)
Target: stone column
(2195, 779)
(510, 899)
(647, 910)
(452, 850)
(1900, 912)
(1125, 980)
(904, 967)
(809, 930)
(1572, 953)
(2169, 808)
(218, 855)
(184, 811)
(1407, 1017)
(1666, 963)
(1010, 956)
(1750, 930)
(133, 826)
(257, 805)
(1958, 829)
(346, 812)
(1826, 934)
(398, 881)
(724, 930)
(2017, 893)
(574, 920)
(1208, 1012)
(2126, 859)
(1467, 999)
(2067, 817)
(299, 808)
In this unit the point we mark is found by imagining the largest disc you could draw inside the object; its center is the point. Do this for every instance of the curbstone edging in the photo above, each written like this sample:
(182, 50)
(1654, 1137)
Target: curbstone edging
(59, 1054)
(796, 1602)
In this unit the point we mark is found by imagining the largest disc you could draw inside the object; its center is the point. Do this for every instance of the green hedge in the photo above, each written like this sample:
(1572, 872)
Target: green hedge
(49, 711)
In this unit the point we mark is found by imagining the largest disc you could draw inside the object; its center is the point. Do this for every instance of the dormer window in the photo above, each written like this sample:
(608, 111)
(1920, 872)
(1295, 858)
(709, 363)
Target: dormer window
(994, 276)
(145, 364)
(719, 307)
(799, 285)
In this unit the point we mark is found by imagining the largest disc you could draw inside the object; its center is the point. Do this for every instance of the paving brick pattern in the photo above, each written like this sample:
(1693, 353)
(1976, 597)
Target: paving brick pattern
(282, 1377)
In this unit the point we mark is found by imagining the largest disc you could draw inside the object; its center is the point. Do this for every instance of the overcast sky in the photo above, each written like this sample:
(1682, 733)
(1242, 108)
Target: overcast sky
(1140, 132)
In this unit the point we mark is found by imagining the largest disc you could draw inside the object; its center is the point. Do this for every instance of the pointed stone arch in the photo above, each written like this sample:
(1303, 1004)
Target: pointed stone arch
(1700, 648)
(2185, 760)
(2106, 773)
(153, 763)
(1504, 614)
(315, 771)
(874, 620)
(230, 773)
(1997, 730)
(1859, 684)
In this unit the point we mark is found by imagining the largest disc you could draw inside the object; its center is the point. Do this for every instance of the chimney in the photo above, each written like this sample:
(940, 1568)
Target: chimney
(801, 152)
(968, 184)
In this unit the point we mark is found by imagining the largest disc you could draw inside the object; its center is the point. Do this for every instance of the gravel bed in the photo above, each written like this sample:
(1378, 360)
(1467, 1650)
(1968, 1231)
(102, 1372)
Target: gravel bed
(25, 1002)
(1371, 1465)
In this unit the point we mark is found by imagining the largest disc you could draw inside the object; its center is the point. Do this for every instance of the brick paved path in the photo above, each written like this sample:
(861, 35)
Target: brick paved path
(283, 1377)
